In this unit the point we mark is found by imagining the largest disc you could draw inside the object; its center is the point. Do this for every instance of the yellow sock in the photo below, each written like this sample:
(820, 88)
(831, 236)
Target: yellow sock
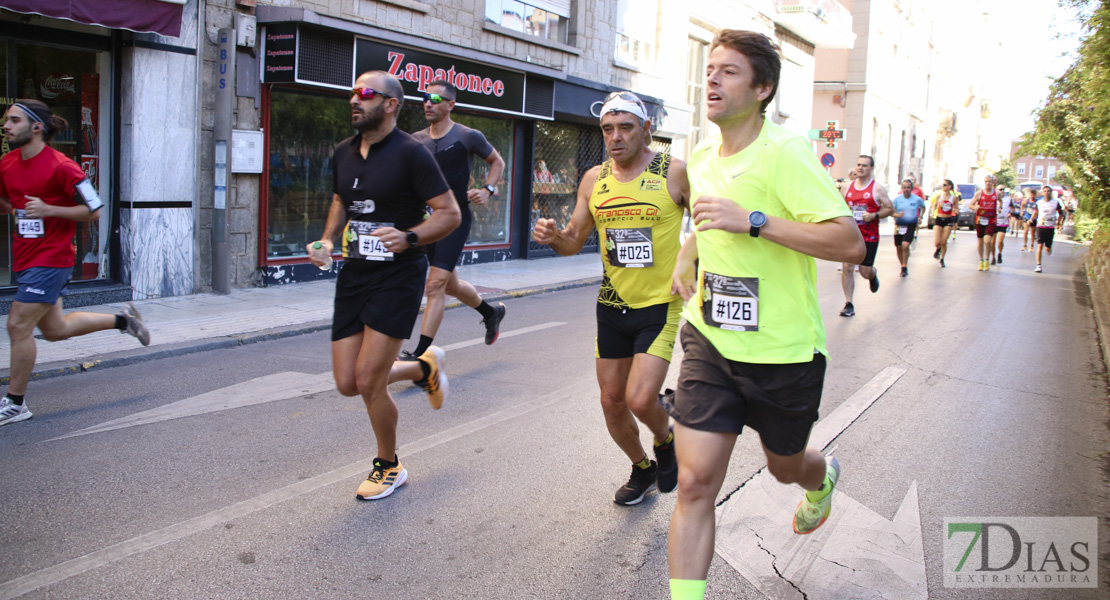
(687, 589)
(670, 438)
(644, 464)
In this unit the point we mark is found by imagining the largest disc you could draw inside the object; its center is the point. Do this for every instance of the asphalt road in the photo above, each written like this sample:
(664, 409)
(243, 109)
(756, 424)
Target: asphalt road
(1001, 411)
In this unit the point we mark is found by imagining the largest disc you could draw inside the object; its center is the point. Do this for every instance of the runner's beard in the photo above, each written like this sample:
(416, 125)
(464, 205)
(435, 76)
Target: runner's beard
(18, 140)
(370, 120)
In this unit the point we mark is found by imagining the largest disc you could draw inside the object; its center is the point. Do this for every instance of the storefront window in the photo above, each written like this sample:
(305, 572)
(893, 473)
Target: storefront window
(305, 127)
(491, 222)
(73, 84)
(564, 153)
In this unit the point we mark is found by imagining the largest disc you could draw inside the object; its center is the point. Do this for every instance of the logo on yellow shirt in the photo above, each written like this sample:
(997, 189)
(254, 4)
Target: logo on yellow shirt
(651, 184)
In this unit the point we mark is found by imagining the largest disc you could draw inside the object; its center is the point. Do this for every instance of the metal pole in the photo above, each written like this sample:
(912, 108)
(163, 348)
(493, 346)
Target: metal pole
(225, 98)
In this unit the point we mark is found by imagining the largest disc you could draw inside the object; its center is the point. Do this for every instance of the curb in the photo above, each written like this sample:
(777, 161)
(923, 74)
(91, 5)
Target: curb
(1101, 310)
(141, 355)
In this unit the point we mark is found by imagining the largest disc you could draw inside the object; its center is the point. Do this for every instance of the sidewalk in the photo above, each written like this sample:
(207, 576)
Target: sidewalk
(185, 324)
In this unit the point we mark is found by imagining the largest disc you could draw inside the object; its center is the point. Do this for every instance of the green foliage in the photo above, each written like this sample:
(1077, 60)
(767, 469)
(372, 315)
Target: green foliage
(1007, 175)
(1074, 124)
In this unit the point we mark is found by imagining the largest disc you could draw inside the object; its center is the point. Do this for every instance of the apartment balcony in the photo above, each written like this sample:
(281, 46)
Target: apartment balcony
(824, 23)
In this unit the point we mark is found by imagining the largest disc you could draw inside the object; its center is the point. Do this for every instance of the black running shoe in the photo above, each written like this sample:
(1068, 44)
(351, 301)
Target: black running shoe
(666, 474)
(874, 280)
(406, 356)
(849, 310)
(493, 324)
(999, 258)
(640, 483)
(905, 271)
(937, 253)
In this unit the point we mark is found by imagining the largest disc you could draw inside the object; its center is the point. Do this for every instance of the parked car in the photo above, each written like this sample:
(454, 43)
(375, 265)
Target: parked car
(966, 219)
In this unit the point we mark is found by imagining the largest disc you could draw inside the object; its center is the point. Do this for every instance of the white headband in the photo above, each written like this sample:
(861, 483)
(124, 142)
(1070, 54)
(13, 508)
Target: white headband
(618, 104)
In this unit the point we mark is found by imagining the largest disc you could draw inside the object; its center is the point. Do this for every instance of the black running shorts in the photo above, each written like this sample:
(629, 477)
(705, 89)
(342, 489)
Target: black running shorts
(945, 222)
(719, 395)
(444, 253)
(382, 296)
(625, 332)
(869, 258)
(1045, 236)
(904, 238)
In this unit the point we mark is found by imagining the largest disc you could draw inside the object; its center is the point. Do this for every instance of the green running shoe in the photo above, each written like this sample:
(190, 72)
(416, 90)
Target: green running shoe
(811, 514)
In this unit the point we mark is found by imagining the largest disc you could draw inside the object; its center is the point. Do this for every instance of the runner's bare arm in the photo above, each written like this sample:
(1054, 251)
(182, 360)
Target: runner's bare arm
(838, 239)
(37, 209)
(337, 218)
(975, 201)
(885, 207)
(571, 238)
(445, 217)
(678, 184)
(685, 277)
(496, 164)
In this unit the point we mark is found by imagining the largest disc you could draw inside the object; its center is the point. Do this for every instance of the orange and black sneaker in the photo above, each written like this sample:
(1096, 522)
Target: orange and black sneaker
(435, 382)
(382, 480)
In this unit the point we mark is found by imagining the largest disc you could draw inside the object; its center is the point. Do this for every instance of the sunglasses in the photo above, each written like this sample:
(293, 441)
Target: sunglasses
(368, 93)
(434, 98)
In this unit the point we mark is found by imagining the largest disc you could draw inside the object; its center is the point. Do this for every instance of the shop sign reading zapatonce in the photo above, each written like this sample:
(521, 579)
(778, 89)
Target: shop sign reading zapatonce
(279, 48)
(479, 85)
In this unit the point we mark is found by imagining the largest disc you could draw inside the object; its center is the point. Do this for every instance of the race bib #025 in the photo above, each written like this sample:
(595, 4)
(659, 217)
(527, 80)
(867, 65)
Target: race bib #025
(630, 248)
(730, 303)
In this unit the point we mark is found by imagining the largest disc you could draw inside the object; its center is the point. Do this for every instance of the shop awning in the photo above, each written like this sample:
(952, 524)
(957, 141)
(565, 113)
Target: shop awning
(157, 16)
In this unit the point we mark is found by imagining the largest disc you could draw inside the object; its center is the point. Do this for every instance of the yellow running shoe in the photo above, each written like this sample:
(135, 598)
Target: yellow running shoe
(382, 481)
(812, 514)
(435, 384)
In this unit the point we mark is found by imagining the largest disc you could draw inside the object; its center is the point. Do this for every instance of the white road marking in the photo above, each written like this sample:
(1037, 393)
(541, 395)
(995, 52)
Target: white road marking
(856, 553)
(503, 335)
(270, 388)
(93, 560)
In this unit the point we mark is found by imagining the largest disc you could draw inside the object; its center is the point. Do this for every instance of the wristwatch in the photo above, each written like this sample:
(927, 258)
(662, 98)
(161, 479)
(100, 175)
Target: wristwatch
(756, 221)
(411, 238)
(492, 190)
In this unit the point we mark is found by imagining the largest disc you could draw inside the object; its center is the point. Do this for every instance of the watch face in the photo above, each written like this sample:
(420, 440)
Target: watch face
(757, 219)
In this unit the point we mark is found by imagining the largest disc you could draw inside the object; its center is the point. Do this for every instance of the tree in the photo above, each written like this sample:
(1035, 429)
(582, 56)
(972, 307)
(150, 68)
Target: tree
(1074, 124)
(1007, 176)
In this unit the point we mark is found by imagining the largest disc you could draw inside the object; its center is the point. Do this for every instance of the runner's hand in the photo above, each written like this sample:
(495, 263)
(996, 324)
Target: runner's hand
(36, 208)
(316, 256)
(684, 279)
(478, 196)
(712, 212)
(392, 238)
(545, 231)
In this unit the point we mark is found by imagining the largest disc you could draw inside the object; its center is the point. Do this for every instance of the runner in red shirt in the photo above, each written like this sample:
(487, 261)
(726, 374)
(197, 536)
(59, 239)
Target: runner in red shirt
(869, 203)
(40, 185)
(985, 205)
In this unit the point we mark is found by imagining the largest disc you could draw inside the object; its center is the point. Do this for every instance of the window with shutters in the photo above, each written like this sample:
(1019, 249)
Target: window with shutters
(547, 19)
(636, 27)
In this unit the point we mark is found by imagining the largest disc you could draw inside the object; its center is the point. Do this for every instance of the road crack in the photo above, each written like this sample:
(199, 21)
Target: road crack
(775, 567)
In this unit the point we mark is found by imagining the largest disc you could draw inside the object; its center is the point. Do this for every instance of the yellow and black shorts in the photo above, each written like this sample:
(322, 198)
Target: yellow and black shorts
(624, 332)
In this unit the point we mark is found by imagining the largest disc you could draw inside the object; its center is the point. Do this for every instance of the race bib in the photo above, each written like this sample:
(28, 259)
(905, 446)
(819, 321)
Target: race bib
(984, 221)
(361, 245)
(946, 206)
(902, 229)
(730, 303)
(1049, 219)
(1002, 220)
(858, 211)
(28, 227)
(629, 248)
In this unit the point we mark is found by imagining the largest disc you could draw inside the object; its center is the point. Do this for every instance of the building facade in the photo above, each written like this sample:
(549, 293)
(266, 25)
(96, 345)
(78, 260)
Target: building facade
(1034, 169)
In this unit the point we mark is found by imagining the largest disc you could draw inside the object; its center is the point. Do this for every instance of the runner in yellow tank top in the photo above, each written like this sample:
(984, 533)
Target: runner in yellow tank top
(638, 225)
(635, 200)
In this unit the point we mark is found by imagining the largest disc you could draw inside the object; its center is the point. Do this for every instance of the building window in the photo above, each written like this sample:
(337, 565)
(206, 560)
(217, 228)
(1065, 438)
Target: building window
(1038, 171)
(695, 91)
(304, 129)
(1052, 171)
(490, 223)
(1021, 168)
(542, 18)
(74, 84)
(635, 32)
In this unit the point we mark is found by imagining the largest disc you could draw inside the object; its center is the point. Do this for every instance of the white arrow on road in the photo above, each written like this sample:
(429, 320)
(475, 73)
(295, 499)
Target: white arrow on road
(856, 553)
